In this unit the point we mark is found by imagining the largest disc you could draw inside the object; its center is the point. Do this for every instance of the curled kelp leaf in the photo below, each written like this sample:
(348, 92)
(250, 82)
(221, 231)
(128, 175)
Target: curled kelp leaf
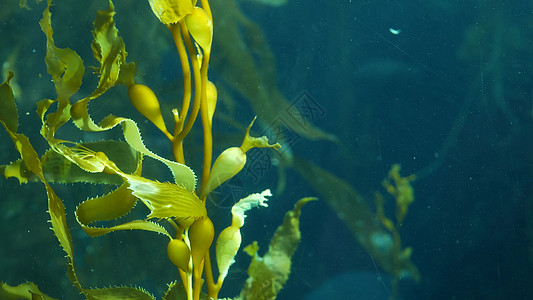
(269, 273)
(109, 207)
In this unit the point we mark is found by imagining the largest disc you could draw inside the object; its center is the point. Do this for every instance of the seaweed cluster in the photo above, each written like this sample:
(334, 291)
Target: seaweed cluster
(180, 204)
(200, 251)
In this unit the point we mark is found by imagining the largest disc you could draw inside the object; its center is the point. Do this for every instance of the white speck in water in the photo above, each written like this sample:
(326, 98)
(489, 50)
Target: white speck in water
(395, 31)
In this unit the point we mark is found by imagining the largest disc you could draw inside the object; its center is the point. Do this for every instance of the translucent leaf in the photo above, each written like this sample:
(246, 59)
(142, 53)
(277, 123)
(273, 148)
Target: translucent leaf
(59, 169)
(166, 199)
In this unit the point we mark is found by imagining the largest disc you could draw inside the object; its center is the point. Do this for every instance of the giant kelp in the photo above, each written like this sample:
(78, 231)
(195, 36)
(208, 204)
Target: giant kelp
(177, 209)
(179, 204)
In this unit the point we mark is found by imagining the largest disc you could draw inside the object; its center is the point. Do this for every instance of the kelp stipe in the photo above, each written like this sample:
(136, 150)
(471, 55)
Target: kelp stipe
(120, 163)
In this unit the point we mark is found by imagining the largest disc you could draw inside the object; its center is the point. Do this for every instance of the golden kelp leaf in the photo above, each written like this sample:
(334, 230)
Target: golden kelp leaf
(27, 290)
(166, 200)
(268, 274)
(132, 225)
(56, 209)
(61, 170)
(28, 154)
(65, 65)
(171, 11)
(112, 206)
(109, 50)
(118, 293)
(108, 207)
(18, 170)
(43, 106)
(8, 108)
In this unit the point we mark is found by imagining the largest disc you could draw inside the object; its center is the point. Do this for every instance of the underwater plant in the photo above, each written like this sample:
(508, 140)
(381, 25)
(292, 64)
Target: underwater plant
(177, 210)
